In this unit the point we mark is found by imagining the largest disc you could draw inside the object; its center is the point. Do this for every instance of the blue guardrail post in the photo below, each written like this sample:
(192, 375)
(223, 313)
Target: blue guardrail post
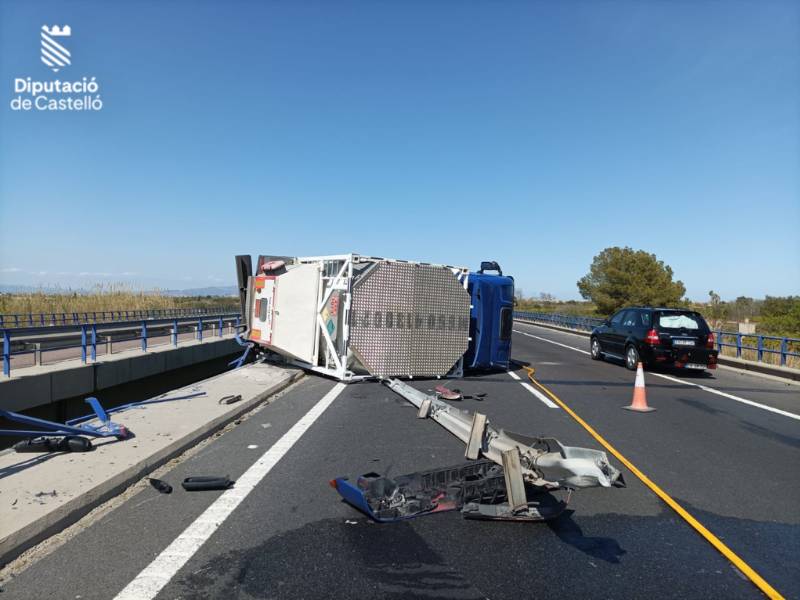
(6, 353)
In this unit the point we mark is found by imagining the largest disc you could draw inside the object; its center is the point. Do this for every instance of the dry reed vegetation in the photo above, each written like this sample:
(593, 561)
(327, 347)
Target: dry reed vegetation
(105, 297)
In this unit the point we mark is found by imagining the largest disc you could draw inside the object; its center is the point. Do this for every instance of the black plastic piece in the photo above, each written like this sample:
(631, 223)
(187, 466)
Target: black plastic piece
(198, 484)
(72, 443)
(161, 486)
(230, 399)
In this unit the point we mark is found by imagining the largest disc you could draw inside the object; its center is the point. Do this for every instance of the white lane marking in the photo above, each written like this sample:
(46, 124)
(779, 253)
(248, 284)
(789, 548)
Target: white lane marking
(158, 573)
(551, 341)
(568, 332)
(539, 395)
(534, 391)
(730, 396)
(689, 383)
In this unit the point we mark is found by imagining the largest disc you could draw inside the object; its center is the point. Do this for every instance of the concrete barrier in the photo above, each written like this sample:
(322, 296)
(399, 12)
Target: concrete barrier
(43, 384)
(83, 481)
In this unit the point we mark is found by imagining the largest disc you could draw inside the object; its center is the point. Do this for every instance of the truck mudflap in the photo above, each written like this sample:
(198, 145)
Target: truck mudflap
(476, 488)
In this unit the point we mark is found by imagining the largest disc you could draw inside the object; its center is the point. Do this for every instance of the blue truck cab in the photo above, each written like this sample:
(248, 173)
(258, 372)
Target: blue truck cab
(491, 318)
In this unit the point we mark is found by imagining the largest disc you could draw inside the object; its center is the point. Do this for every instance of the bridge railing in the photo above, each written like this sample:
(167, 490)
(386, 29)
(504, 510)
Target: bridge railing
(16, 320)
(34, 340)
(783, 351)
(568, 321)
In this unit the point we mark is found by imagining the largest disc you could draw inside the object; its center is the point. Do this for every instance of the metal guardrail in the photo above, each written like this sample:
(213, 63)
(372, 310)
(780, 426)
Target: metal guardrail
(106, 316)
(568, 321)
(784, 347)
(142, 329)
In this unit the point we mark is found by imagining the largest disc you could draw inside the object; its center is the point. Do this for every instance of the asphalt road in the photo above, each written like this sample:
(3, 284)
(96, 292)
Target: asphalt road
(732, 465)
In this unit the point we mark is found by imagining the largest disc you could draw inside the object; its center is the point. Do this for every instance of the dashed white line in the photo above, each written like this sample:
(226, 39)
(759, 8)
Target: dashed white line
(551, 341)
(689, 383)
(158, 573)
(533, 390)
(539, 395)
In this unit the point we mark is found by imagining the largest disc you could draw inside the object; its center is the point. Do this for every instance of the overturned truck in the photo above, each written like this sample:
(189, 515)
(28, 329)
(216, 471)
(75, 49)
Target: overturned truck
(354, 317)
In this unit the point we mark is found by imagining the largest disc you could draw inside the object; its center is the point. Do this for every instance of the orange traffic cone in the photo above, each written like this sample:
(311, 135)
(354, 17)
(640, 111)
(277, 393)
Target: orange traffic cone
(639, 403)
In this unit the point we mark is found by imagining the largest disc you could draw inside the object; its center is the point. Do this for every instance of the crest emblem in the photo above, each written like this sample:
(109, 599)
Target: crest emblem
(54, 54)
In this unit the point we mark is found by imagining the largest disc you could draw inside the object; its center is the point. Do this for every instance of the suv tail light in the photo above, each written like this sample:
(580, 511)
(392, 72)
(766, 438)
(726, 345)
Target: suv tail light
(710, 341)
(652, 338)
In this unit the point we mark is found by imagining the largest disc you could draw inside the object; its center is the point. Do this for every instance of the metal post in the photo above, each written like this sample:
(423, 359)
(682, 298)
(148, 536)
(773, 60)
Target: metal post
(6, 353)
(200, 329)
(94, 343)
(760, 348)
(30, 319)
(784, 351)
(109, 346)
(220, 327)
(144, 336)
(37, 354)
(738, 345)
(175, 332)
(83, 343)
(719, 341)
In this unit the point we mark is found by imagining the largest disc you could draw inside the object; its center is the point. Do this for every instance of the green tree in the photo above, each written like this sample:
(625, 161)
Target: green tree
(781, 315)
(623, 276)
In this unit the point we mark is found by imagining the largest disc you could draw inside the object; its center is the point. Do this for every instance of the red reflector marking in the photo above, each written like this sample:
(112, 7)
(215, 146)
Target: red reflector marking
(255, 334)
(260, 282)
(258, 308)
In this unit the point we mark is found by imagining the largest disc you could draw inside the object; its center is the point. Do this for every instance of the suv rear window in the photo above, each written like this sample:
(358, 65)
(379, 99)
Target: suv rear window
(681, 320)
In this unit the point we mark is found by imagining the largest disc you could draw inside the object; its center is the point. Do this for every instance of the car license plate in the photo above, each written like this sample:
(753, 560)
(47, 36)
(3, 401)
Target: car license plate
(683, 342)
(695, 366)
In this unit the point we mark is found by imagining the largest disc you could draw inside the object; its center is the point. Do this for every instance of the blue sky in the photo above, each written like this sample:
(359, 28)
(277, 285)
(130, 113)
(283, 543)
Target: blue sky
(532, 133)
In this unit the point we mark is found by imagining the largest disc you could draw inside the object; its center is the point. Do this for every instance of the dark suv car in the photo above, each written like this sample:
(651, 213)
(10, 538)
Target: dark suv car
(671, 337)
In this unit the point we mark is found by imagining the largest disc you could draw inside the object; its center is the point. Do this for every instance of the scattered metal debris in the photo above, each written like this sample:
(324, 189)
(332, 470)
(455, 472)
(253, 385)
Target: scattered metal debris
(513, 481)
(477, 489)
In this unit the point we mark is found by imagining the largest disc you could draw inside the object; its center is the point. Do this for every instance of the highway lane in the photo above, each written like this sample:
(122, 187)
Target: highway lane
(735, 463)
(292, 537)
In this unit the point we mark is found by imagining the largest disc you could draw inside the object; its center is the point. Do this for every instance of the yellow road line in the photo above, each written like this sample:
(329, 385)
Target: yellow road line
(710, 537)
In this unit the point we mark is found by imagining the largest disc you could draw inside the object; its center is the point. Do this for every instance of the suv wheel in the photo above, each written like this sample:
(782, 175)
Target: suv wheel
(594, 347)
(631, 358)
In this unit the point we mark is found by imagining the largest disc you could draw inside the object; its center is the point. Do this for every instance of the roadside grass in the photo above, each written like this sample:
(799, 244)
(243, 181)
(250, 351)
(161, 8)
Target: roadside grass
(106, 297)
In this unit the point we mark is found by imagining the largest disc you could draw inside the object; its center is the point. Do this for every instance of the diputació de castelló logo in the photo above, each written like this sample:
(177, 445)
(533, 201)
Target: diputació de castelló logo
(54, 54)
(80, 94)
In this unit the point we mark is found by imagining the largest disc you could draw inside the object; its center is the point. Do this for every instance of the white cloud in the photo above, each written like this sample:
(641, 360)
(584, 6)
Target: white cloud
(11, 270)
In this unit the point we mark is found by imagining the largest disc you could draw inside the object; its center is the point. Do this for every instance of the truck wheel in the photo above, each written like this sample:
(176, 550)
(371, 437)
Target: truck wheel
(631, 358)
(596, 353)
